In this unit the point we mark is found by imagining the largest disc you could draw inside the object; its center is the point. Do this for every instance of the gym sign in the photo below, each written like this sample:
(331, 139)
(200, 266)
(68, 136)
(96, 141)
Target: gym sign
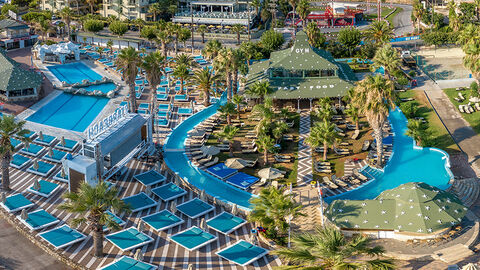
(302, 50)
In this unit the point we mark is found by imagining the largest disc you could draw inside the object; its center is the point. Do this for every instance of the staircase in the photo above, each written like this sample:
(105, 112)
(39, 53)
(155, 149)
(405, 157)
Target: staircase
(467, 190)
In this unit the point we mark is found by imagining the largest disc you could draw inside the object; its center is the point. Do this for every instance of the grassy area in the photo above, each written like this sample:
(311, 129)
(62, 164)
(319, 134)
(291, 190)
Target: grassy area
(474, 118)
(440, 136)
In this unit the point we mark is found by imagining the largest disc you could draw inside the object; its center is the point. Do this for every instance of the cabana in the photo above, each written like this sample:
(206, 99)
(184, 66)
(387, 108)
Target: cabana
(149, 178)
(17, 202)
(128, 263)
(129, 239)
(221, 171)
(169, 192)
(193, 238)
(242, 180)
(225, 223)
(46, 188)
(195, 208)
(162, 220)
(38, 220)
(62, 236)
(139, 202)
(19, 161)
(242, 253)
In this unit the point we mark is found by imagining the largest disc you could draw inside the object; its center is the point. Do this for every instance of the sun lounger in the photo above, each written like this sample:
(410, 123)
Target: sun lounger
(195, 208)
(242, 253)
(62, 236)
(461, 95)
(46, 188)
(323, 170)
(249, 151)
(341, 183)
(162, 220)
(460, 108)
(139, 202)
(360, 175)
(129, 239)
(193, 238)
(225, 223)
(38, 219)
(340, 151)
(149, 178)
(366, 145)
(355, 134)
(17, 202)
(169, 192)
(211, 163)
(126, 262)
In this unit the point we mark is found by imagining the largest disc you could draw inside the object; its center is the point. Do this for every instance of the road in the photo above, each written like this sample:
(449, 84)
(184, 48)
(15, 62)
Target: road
(402, 21)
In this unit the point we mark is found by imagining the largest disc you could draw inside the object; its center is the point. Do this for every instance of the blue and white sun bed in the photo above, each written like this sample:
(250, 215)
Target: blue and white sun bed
(115, 219)
(221, 171)
(169, 192)
(128, 263)
(193, 238)
(139, 202)
(144, 106)
(195, 208)
(129, 239)
(181, 97)
(242, 180)
(46, 188)
(47, 140)
(168, 70)
(143, 111)
(141, 82)
(162, 89)
(225, 223)
(164, 114)
(62, 236)
(57, 156)
(44, 169)
(162, 220)
(242, 253)
(163, 122)
(19, 161)
(15, 143)
(177, 88)
(69, 145)
(150, 178)
(17, 202)
(104, 60)
(184, 111)
(32, 150)
(88, 47)
(30, 134)
(38, 220)
(110, 64)
(139, 89)
(162, 97)
(163, 107)
(59, 177)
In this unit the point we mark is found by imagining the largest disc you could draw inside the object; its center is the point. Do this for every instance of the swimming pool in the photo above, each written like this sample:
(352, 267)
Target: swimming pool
(409, 163)
(74, 72)
(177, 161)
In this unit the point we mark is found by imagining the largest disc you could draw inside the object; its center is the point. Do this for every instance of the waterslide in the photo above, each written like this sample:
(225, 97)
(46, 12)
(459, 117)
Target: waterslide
(177, 161)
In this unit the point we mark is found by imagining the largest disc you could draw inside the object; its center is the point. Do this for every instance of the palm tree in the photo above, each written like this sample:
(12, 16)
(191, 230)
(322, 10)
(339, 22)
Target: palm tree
(155, 9)
(265, 144)
(182, 73)
(324, 110)
(204, 79)
(293, 3)
(418, 12)
(259, 89)
(256, 4)
(265, 112)
(327, 248)
(271, 208)
(238, 100)
(354, 113)
(183, 35)
(110, 45)
(380, 32)
(223, 63)
(237, 29)
(227, 111)
(202, 29)
(322, 133)
(92, 204)
(279, 130)
(100, 51)
(303, 10)
(469, 32)
(386, 57)
(127, 62)
(185, 59)
(139, 22)
(91, 3)
(471, 60)
(250, 51)
(67, 14)
(9, 129)
(416, 130)
(175, 30)
(237, 59)
(154, 66)
(228, 134)
(453, 19)
(212, 48)
(375, 97)
(165, 38)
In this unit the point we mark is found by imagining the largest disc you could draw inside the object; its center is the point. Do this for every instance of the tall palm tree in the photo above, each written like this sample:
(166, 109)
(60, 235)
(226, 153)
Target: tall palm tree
(293, 3)
(165, 38)
(66, 13)
(185, 59)
(212, 48)
(469, 32)
(183, 35)
(380, 32)
(9, 128)
(416, 130)
(238, 101)
(228, 134)
(227, 111)
(322, 133)
(202, 29)
(303, 10)
(324, 109)
(127, 62)
(175, 30)
(237, 59)
(92, 203)
(418, 12)
(91, 3)
(386, 57)
(267, 115)
(375, 98)
(259, 89)
(237, 29)
(250, 51)
(155, 9)
(139, 22)
(312, 31)
(279, 130)
(205, 79)
(154, 66)
(110, 45)
(354, 113)
(182, 73)
(265, 144)
(327, 248)
(271, 208)
(223, 63)
(453, 19)
(256, 4)
(471, 60)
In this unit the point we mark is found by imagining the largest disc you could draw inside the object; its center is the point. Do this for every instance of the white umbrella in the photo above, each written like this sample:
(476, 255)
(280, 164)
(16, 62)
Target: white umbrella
(234, 209)
(148, 190)
(158, 166)
(40, 135)
(203, 225)
(62, 141)
(210, 150)
(176, 180)
(138, 255)
(140, 226)
(36, 185)
(270, 173)
(173, 207)
(50, 152)
(27, 145)
(470, 266)
(35, 165)
(202, 195)
(214, 201)
(236, 163)
(24, 214)
(3, 197)
(62, 173)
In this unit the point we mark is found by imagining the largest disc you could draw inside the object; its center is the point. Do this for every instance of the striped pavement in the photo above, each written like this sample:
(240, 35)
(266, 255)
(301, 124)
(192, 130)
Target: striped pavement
(304, 170)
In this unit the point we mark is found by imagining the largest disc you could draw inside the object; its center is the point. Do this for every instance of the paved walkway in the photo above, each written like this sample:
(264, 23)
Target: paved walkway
(304, 171)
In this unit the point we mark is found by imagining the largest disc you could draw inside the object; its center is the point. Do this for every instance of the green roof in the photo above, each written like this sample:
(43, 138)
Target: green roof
(12, 24)
(301, 56)
(411, 207)
(13, 77)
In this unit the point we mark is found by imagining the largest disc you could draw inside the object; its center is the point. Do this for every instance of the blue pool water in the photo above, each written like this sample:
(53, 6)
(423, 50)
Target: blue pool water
(176, 160)
(74, 72)
(407, 164)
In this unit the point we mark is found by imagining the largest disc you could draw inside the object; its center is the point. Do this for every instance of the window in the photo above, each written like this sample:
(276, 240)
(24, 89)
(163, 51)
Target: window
(312, 73)
(277, 73)
(328, 73)
(295, 73)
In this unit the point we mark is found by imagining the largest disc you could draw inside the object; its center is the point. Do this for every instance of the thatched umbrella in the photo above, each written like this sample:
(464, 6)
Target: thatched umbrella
(234, 209)
(236, 163)
(27, 145)
(40, 135)
(203, 225)
(24, 214)
(62, 141)
(270, 173)
(202, 196)
(470, 266)
(35, 165)
(148, 190)
(138, 255)
(36, 185)
(50, 152)
(141, 226)
(173, 207)
(190, 267)
(62, 173)
(254, 239)
(210, 150)
(3, 197)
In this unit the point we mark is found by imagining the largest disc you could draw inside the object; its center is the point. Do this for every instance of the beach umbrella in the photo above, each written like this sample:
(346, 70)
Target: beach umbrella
(3, 197)
(50, 152)
(35, 165)
(62, 141)
(36, 185)
(202, 195)
(210, 150)
(215, 201)
(470, 266)
(27, 145)
(62, 173)
(190, 267)
(138, 255)
(112, 210)
(141, 226)
(270, 173)
(236, 163)
(173, 207)
(203, 225)
(254, 239)
(234, 209)
(24, 214)
(148, 190)
(40, 135)
(158, 166)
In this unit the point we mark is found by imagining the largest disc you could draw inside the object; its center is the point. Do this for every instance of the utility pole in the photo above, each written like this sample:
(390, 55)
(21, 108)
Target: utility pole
(379, 10)
(320, 197)
(191, 15)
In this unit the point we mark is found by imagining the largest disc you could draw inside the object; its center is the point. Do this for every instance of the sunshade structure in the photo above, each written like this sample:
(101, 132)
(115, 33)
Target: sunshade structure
(303, 71)
(236, 163)
(411, 207)
(270, 173)
(210, 150)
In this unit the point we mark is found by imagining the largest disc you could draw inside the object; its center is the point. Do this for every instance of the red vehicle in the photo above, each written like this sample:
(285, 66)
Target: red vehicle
(335, 14)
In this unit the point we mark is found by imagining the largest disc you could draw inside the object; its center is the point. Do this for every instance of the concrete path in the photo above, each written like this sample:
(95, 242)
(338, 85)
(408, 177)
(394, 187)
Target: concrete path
(304, 171)
(17, 252)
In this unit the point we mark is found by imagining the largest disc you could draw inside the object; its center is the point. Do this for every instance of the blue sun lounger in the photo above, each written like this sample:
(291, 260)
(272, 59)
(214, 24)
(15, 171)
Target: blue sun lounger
(62, 236)
(15, 143)
(38, 220)
(221, 171)
(184, 111)
(242, 180)
(144, 106)
(69, 145)
(164, 114)
(17, 202)
(129, 239)
(181, 97)
(162, 97)
(128, 263)
(169, 192)
(150, 178)
(168, 70)
(19, 161)
(46, 188)
(162, 90)
(59, 177)
(109, 64)
(193, 238)
(115, 219)
(57, 156)
(139, 202)
(143, 111)
(32, 150)
(164, 107)
(163, 122)
(162, 220)
(225, 223)
(44, 169)
(195, 208)
(242, 253)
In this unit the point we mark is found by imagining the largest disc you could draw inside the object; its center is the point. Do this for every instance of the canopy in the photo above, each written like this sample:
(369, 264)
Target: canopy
(270, 173)
(236, 163)
(210, 150)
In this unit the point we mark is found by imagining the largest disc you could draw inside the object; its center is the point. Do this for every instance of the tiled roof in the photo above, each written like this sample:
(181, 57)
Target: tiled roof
(13, 77)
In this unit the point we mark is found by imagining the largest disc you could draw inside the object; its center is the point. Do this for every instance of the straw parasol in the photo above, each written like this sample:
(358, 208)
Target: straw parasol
(141, 226)
(470, 266)
(148, 190)
(234, 209)
(62, 173)
(138, 255)
(27, 145)
(40, 135)
(236, 163)
(50, 152)
(254, 239)
(190, 267)
(202, 195)
(173, 207)
(62, 141)
(24, 214)
(210, 150)
(35, 165)
(36, 185)
(203, 225)
(3, 197)
(270, 173)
